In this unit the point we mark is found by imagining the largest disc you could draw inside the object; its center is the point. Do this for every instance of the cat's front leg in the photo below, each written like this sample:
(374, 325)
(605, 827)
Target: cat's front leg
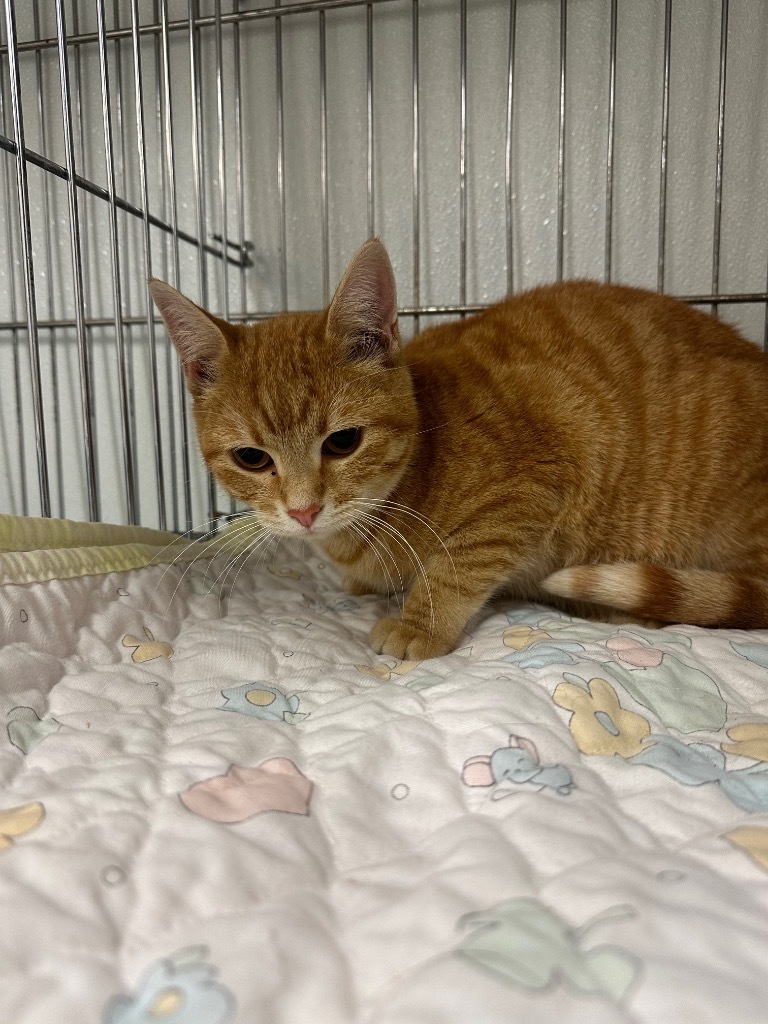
(442, 600)
(506, 544)
(358, 588)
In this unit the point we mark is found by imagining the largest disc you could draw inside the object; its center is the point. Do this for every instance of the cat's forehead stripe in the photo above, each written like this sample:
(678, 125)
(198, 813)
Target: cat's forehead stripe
(286, 371)
(263, 414)
(286, 412)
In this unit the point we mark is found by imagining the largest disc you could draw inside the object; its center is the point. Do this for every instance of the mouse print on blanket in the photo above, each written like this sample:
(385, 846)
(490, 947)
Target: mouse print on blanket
(517, 763)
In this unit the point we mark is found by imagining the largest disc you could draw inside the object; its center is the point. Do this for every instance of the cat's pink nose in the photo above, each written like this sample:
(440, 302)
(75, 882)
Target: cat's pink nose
(305, 516)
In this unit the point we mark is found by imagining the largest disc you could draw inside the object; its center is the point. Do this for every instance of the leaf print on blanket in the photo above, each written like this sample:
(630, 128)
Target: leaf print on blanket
(634, 651)
(535, 647)
(756, 653)
(682, 698)
(424, 683)
(524, 942)
(180, 990)
(695, 764)
(518, 636)
(26, 729)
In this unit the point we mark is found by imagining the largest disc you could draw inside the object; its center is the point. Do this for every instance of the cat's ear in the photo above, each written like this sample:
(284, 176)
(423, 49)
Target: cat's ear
(364, 309)
(198, 337)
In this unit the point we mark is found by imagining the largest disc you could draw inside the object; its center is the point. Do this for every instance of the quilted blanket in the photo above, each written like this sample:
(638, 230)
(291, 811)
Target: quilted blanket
(218, 806)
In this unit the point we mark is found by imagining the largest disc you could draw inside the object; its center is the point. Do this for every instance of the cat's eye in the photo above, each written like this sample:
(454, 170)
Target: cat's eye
(342, 442)
(252, 458)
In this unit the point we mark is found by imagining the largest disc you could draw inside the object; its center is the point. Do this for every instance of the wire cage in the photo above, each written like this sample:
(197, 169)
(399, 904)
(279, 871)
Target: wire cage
(243, 150)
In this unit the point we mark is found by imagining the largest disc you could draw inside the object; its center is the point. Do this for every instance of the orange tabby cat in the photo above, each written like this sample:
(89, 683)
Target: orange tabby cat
(581, 442)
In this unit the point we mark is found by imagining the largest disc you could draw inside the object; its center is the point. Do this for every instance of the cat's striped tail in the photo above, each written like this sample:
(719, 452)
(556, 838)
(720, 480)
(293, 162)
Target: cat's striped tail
(698, 597)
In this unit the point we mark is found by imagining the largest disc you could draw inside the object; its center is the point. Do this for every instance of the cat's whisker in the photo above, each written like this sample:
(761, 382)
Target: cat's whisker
(181, 536)
(184, 549)
(417, 564)
(233, 559)
(370, 524)
(265, 546)
(172, 564)
(380, 502)
(355, 530)
(266, 550)
(241, 530)
(414, 557)
(371, 541)
(221, 580)
(222, 576)
(352, 520)
(236, 549)
(361, 531)
(405, 509)
(451, 423)
(231, 540)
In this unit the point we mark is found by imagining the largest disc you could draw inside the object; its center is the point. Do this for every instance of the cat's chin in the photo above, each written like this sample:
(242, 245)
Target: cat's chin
(322, 532)
(312, 533)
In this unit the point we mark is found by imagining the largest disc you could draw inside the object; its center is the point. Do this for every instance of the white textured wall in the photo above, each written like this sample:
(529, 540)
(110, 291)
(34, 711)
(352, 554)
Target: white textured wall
(640, 50)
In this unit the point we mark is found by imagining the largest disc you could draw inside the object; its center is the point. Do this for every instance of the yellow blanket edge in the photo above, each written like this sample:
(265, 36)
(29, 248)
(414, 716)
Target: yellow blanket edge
(36, 550)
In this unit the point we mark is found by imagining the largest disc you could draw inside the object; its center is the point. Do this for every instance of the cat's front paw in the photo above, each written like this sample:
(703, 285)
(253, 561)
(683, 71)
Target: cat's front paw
(407, 642)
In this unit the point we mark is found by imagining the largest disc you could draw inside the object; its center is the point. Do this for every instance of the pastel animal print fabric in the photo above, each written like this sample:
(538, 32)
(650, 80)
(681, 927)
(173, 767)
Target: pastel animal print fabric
(219, 806)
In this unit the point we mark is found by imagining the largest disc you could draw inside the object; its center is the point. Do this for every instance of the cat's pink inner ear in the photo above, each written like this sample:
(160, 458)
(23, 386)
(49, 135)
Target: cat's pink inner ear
(195, 335)
(364, 309)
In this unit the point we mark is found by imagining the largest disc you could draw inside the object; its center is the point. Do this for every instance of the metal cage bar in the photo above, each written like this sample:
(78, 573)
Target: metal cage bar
(280, 169)
(89, 439)
(609, 153)
(47, 214)
(25, 230)
(561, 144)
(415, 191)
(147, 249)
(716, 234)
(661, 259)
(205, 21)
(463, 153)
(369, 184)
(16, 336)
(197, 141)
(129, 469)
(509, 146)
